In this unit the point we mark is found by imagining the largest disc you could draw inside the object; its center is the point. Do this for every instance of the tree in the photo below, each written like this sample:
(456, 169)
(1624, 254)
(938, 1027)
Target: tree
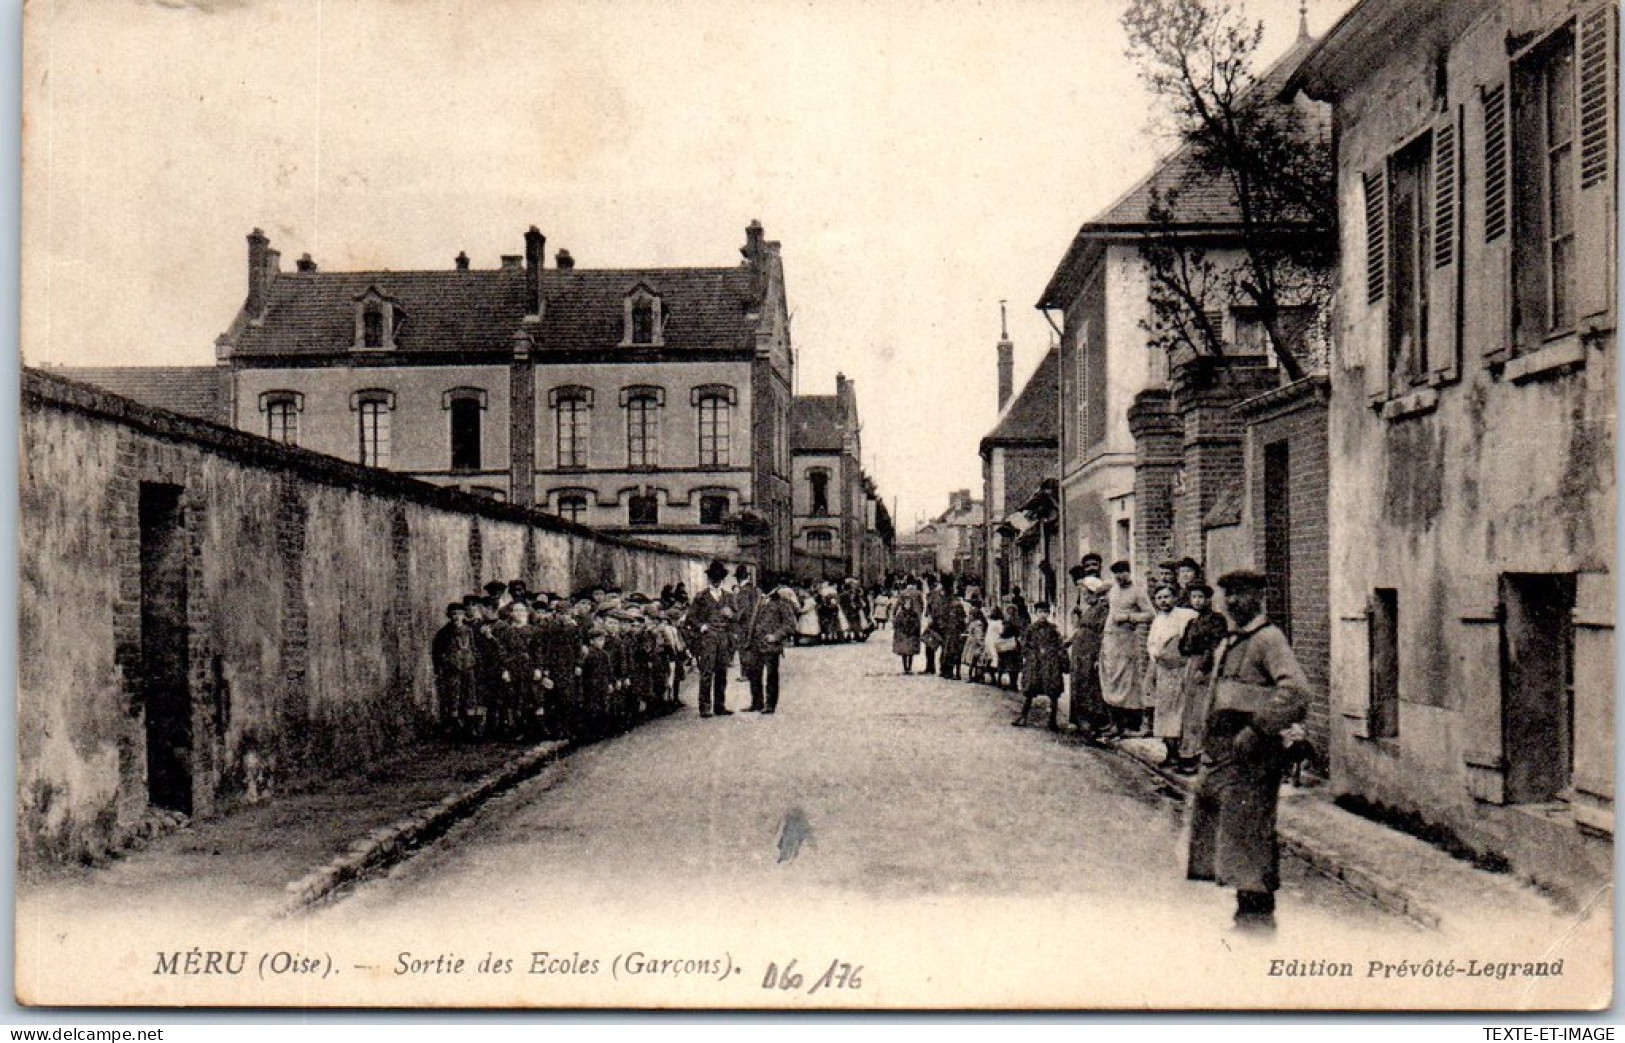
(1273, 157)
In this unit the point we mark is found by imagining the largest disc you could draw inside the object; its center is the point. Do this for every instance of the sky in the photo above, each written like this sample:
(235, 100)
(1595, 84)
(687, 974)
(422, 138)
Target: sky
(919, 161)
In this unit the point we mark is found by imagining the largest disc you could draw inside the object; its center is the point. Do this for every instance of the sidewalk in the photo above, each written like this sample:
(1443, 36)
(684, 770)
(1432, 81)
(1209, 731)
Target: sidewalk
(1402, 874)
(298, 847)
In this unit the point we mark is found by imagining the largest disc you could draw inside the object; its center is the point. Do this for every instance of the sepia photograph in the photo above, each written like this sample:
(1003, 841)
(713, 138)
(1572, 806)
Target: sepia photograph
(1014, 505)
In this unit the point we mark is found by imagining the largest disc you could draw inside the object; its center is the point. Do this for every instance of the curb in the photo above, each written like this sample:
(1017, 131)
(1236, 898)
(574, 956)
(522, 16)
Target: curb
(387, 845)
(1322, 858)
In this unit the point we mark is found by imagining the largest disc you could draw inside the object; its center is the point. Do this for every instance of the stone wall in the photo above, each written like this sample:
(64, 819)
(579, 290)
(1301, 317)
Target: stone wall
(310, 588)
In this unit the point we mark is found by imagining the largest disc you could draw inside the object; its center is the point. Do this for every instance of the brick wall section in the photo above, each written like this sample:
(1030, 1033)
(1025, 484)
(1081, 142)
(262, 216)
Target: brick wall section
(1214, 460)
(313, 587)
(1158, 434)
(1297, 414)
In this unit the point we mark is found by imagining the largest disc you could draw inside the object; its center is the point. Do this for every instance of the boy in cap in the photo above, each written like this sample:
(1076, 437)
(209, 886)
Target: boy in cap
(1259, 691)
(456, 673)
(1043, 664)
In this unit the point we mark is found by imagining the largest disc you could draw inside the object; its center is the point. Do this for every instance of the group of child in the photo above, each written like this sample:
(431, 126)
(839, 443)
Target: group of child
(513, 664)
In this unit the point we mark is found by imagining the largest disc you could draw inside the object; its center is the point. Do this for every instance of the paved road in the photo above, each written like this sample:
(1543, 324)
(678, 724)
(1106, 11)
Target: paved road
(867, 790)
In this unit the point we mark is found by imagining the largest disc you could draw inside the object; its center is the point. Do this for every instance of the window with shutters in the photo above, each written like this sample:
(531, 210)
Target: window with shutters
(1560, 155)
(1410, 239)
(1412, 224)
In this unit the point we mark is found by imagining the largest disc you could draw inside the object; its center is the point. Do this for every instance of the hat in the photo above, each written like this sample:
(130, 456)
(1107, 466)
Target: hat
(1243, 579)
(495, 587)
(741, 572)
(716, 571)
(1042, 606)
(1203, 587)
(1121, 566)
(1077, 572)
(1094, 584)
(1189, 563)
(1091, 557)
(456, 606)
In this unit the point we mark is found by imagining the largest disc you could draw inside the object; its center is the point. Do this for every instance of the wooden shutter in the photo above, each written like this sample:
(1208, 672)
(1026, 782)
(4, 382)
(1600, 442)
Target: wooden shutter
(1595, 48)
(1495, 162)
(1376, 282)
(1494, 277)
(1443, 264)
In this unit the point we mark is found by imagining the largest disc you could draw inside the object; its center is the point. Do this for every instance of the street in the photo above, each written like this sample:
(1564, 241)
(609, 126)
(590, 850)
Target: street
(865, 784)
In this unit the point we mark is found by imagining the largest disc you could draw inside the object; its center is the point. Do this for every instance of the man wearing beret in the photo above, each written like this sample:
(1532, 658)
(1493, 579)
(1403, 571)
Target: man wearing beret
(1259, 690)
(708, 630)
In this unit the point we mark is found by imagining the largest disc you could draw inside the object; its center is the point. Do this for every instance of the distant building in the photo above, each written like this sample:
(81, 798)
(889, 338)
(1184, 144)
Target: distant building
(1472, 426)
(949, 543)
(833, 505)
(1021, 518)
(653, 402)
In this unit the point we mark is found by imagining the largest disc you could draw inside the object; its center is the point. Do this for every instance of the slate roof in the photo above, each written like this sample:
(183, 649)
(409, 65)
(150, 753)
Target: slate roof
(194, 391)
(704, 307)
(313, 313)
(815, 423)
(1031, 415)
(470, 311)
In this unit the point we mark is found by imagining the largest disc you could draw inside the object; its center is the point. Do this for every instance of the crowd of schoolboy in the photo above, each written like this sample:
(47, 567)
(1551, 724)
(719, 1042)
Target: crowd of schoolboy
(516, 664)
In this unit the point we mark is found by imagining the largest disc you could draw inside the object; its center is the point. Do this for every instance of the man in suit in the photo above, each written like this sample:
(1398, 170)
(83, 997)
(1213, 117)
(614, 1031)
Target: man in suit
(709, 630)
(763, 629)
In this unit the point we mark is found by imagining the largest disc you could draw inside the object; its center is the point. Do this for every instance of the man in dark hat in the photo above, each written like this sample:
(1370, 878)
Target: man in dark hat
(1259, 690)
(708, 629)
(747, 599)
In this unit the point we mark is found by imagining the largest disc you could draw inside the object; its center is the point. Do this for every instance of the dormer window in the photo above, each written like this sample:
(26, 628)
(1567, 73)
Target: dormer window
(372, 326)
(645, 317)
(378, 322)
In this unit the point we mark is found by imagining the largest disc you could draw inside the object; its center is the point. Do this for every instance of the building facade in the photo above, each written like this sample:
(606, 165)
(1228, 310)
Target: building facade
(834, 507)
(1472, 420)
(653, 402)
(1020, 515)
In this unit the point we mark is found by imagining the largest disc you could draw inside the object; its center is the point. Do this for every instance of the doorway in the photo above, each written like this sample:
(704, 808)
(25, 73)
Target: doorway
(165, 659)
(1537, 685)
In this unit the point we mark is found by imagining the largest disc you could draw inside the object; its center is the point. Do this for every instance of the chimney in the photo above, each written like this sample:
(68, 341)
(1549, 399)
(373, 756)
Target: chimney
(535, 255)
(1007, 361)
(512, 260)
(462, 261)
(305, 264)
(752, 249)
(535, 243)
(564, 260)
(258, 246)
